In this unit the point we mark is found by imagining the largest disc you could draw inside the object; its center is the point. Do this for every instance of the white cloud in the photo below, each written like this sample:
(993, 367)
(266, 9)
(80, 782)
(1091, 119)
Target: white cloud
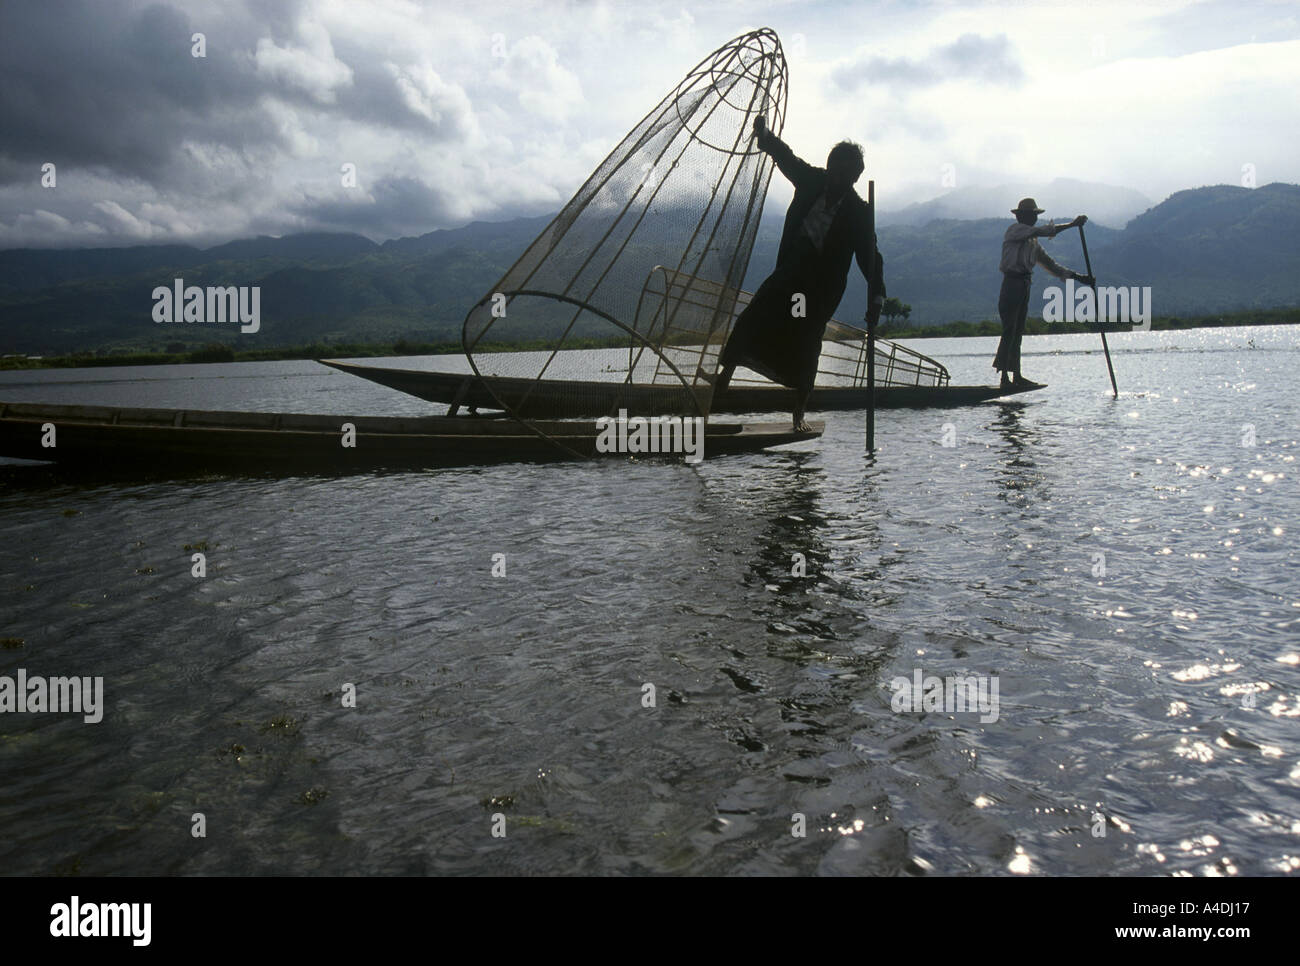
(50, 228)
(971, 58)
(48, 220)
(122, 223)
(311, 67)
(445, 106)
(290, 124)
(545, 87)
(166, 220)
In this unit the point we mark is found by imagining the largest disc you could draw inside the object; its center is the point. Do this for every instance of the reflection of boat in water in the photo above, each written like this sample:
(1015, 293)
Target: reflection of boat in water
(110, 438)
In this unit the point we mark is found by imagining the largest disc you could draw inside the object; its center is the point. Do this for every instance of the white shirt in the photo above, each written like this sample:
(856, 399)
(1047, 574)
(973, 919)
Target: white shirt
(1021, 251)
(818, 220)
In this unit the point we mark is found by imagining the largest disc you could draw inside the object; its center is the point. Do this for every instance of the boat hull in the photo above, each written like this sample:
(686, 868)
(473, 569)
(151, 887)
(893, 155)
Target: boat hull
(567, 399)
(134, 440)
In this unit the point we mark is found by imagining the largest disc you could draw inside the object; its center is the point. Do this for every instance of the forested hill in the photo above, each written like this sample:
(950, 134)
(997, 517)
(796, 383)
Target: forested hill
(1205, 250)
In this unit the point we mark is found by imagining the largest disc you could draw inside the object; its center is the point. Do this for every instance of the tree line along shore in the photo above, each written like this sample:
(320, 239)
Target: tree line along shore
(222, 352)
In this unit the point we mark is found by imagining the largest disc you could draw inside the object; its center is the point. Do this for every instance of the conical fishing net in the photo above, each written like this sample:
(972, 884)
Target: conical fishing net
(632, 289)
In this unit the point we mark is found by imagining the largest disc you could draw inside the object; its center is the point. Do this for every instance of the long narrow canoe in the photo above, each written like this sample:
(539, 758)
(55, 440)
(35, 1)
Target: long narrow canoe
(111, 438)
(567, 399)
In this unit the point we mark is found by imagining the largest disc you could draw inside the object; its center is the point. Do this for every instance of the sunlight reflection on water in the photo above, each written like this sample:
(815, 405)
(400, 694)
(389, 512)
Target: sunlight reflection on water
(1123, 568)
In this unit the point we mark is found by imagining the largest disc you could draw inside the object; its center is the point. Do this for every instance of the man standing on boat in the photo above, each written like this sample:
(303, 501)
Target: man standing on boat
(1020, 253)
(779, 334)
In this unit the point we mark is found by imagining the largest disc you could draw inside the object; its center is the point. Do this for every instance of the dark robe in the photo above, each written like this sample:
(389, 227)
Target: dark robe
(767, 337)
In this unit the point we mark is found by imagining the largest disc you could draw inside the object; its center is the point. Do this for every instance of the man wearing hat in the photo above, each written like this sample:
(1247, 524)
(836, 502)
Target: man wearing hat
(1020, 253)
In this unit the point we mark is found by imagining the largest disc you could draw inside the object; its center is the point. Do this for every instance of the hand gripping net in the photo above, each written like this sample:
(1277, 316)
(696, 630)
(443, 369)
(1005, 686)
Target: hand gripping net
(646, 260)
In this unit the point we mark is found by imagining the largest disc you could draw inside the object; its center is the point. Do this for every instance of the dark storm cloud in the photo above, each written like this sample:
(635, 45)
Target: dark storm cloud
(106, 86)
(989, 60)
(154, 144)
(405, 205)
(112, 86)
(374, 96)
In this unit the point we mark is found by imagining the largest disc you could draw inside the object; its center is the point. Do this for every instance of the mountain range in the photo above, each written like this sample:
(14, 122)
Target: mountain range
(1201, 251)
(1062, 199)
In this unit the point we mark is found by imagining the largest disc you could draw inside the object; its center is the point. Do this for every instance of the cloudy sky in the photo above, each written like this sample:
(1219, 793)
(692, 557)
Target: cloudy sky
(453, 112)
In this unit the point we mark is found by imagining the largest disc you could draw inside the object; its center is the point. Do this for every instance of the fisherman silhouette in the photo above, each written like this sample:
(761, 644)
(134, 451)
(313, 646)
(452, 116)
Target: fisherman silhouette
(1020, 252)
(779, 334)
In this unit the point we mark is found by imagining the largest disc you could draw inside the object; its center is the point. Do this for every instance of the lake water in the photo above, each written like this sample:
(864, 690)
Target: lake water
(1124, 570)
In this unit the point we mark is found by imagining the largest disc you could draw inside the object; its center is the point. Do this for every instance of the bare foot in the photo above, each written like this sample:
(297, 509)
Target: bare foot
(801, 425)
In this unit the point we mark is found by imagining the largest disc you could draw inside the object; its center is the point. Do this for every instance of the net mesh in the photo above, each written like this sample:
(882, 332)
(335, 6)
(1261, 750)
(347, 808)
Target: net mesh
(843, 360)
(646, 260)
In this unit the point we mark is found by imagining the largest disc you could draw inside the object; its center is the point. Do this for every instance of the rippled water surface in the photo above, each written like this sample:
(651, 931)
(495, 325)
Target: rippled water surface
(1147, 714)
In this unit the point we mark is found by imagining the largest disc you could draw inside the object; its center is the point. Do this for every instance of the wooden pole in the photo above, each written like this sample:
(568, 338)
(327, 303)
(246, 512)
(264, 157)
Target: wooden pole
(1096, 304)
(871, 329)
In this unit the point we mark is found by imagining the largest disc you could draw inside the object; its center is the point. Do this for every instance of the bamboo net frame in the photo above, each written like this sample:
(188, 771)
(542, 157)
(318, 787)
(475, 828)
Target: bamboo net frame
(843, 360)
(685, 188)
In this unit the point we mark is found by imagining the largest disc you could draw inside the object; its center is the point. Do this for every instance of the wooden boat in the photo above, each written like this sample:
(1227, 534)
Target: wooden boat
(110, 438)
(669, 307)
(566, 399)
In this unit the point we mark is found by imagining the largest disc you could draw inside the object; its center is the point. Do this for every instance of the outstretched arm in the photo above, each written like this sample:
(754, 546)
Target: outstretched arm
(793, 167)
(1060, 271)
(1051, 230)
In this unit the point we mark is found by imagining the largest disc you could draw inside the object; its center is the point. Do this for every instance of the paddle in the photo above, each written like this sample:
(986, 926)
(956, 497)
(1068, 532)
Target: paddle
(871, 332)
(1096, 302)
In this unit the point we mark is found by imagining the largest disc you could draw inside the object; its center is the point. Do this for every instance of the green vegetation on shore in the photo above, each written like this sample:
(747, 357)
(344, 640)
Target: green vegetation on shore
(1036, 326)
(220, 352)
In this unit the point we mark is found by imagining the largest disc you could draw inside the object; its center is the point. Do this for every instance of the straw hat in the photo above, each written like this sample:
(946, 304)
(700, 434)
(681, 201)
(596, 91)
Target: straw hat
(1027, 204)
